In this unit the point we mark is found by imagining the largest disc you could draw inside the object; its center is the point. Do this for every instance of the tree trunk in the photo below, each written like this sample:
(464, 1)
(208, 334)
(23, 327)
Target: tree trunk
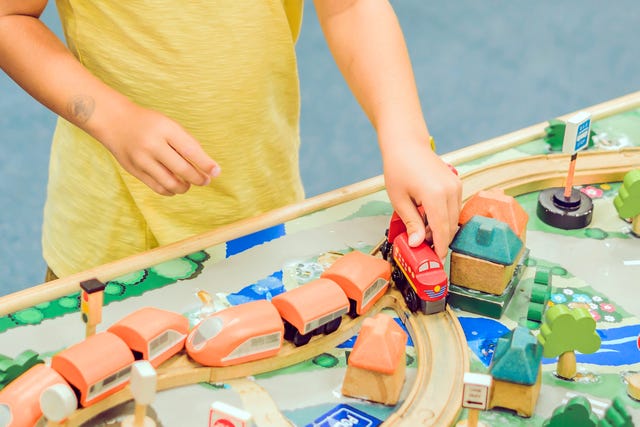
(635, 225)
(567, 365)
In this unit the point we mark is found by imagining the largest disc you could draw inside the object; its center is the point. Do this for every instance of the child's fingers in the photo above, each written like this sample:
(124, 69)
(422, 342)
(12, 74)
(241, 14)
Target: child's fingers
(164, 181)
(438, 217)
(191, 150)
(179, 166)
(412, 220)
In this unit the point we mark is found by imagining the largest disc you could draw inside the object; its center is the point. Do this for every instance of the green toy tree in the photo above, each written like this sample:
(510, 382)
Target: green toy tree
(616, 415)
(577, 412)
(627, 202)
(564, 331)
(10, 369)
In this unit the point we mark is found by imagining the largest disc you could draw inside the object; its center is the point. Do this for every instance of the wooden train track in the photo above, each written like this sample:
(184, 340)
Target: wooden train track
(435, 396)
(534, 173)
(438, 340)
(68, 285)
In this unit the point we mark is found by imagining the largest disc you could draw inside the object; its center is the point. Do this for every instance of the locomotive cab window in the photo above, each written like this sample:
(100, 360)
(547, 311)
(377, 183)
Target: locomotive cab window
(428, 265)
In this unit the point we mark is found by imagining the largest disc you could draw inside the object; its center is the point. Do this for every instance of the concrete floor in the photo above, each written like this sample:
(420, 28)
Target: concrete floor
(483, 69)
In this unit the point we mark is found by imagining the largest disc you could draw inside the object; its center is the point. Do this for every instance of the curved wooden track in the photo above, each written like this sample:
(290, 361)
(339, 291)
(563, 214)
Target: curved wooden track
(68, 285)
(435, 396)
(438, 340)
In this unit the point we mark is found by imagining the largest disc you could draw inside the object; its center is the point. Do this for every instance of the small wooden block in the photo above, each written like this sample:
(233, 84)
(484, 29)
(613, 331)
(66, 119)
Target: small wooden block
(540, 293)
(543, 276)
(535, 312)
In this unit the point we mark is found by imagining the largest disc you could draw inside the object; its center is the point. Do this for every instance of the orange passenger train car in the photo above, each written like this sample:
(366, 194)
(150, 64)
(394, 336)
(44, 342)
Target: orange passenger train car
(313, 308)
(238, 334)
(363, 277)
(20, 400)
(96, 367)
(152, 334)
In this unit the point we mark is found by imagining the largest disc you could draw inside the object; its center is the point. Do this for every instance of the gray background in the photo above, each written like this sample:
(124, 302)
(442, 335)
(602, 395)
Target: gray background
(483, 69)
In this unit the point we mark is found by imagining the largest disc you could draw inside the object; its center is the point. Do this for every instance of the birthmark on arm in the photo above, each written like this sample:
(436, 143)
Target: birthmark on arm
(80, 108)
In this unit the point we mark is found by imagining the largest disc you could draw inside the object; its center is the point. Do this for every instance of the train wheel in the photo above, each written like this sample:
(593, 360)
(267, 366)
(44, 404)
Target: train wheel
(289, 331)
(352, 308)
(385, 250)
(301, 339)
(412, 300)
(398, 279)
(333, 325)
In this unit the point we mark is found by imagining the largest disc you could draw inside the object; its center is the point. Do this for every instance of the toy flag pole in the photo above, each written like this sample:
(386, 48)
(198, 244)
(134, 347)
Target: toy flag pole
(568, 187)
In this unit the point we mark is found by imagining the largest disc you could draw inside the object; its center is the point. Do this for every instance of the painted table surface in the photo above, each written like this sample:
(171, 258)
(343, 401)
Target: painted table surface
(598, 267)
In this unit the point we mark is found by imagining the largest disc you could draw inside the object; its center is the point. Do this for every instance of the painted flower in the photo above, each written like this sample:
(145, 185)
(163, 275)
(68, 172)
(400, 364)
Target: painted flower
(609, 318)
(593, 306)
(595, 315)
(573, 305)
(608, 307)
(567, 291)
(558, 298)
(581, 298)
(593, 192)
(597, 298)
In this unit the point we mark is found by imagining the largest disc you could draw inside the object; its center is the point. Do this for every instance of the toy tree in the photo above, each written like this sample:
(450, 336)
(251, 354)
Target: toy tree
(10, 369)
(577, 412)
(616, 415)
(627, 202)
(564, 331)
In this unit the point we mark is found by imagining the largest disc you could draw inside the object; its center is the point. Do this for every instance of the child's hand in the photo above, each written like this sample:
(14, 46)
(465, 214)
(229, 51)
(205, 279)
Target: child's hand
(415, 175)
(159, 152)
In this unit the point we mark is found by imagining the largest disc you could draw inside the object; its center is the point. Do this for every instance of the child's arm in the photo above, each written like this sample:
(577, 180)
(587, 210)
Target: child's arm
(368, 46)
(150, 146)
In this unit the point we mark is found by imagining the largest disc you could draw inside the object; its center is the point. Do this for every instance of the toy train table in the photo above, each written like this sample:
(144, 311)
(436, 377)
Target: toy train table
(80, 339)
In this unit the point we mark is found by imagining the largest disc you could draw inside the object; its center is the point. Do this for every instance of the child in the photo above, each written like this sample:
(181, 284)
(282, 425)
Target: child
(179, 117)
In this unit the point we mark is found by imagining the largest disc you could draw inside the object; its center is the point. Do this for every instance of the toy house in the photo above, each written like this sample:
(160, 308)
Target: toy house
(376, 366)
(516, 372)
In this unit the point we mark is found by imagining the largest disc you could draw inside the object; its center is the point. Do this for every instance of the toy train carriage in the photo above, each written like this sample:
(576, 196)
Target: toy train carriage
(20, 400)
(363, 278)
(314, 308)
(152, 334)
(238, 334)
(96, 367)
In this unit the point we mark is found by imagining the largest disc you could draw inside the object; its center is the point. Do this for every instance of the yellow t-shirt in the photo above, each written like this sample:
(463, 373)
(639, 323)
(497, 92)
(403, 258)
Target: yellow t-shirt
(226, 71)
